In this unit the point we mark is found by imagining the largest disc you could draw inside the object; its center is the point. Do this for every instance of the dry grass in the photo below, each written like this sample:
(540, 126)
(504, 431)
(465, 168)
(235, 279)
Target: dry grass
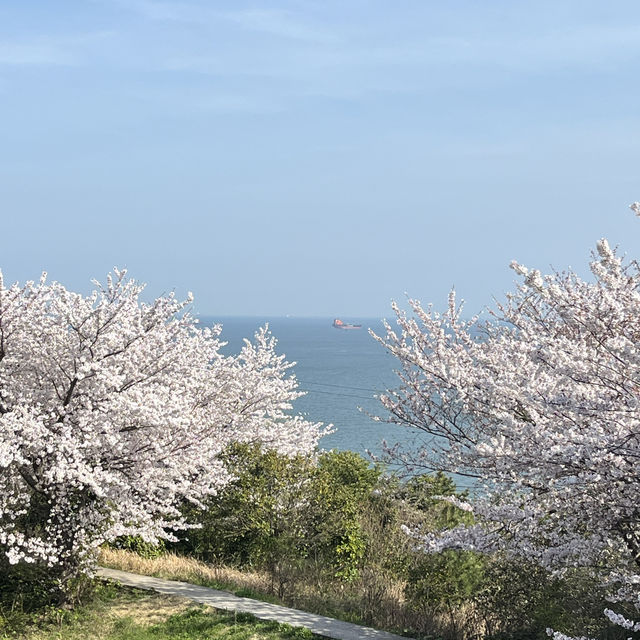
(148, 611)
(174, 567)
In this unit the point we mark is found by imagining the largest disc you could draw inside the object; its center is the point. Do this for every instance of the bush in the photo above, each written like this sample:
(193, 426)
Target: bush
(444, 580)
(30, 587)
(286, 514)
(520, 600)
(137, 544)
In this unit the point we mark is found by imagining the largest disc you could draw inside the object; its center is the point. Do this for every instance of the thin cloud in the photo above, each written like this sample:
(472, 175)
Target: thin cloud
(42, 55)
(305, 48)
(577, 47)
(282, 24)
(590, 47)
(161, 11)
(276, 22)
(234, 104)
(273, 57)
(61, 51)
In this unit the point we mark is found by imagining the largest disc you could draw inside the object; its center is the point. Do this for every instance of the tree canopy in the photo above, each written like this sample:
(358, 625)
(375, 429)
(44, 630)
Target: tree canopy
(540, 403)
(113, 412)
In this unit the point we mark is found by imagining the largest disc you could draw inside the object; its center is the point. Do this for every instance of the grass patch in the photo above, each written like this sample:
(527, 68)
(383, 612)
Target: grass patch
(119, 613)
(207, 624)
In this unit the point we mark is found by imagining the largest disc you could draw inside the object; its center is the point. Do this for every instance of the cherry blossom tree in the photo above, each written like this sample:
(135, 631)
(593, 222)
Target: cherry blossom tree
(540, 403)
(113, 412)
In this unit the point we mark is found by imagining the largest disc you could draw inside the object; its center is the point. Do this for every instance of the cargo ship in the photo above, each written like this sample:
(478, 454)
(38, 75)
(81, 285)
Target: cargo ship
(338, 324)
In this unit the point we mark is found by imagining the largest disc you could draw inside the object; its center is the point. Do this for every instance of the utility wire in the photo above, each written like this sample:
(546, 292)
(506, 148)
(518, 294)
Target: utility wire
(340, 386)
(333, 393)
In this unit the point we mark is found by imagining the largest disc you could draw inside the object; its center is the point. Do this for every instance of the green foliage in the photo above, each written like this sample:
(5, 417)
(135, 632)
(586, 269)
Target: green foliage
(30, 587)
(412, 503)
(136, 544)
(342, 487)
(21, 617)
(326, 518)
(256, 519)
(419, 495)
(444, 580)
(520, 600)
(284, 514)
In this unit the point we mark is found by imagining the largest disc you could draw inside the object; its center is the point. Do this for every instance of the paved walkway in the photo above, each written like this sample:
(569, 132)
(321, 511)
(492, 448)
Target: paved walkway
(323, 626)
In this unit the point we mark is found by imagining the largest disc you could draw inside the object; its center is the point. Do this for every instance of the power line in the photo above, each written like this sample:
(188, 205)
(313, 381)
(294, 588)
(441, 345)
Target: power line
(344, 395)
(340, 386)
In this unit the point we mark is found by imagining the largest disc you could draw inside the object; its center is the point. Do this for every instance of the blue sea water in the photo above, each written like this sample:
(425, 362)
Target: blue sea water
(341, 372)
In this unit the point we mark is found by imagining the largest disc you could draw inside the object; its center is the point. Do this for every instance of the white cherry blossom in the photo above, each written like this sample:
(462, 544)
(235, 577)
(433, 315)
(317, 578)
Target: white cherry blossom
(541, 405)
(113, 412)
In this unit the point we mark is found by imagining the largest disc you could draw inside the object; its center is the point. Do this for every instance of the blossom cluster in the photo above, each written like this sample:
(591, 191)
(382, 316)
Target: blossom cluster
(113, 412)
(540, 403)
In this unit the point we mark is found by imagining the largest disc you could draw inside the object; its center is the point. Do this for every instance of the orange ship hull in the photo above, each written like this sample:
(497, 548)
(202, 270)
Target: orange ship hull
(338, 324)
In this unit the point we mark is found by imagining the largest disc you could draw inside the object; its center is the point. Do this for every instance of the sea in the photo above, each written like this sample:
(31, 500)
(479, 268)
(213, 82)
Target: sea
(341, 373)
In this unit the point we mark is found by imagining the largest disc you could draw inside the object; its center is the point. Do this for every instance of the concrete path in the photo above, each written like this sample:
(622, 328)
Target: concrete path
(323, 626)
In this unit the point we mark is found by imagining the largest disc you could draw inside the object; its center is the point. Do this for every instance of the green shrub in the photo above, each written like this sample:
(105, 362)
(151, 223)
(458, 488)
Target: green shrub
(29, 587)
(137, 544)
(520, 600)
(444, 580)
(286, 514)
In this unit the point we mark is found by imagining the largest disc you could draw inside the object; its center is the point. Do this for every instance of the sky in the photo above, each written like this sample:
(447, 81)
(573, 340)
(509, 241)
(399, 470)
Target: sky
(316, 158)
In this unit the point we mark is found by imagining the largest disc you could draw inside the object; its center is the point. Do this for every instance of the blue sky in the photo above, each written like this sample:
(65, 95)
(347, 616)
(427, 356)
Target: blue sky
(316, 158)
